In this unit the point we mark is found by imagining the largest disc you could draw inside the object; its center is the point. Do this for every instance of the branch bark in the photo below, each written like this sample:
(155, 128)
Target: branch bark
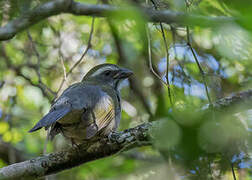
(104, 147)
(76, 8)
(242, 99)
(55, 162)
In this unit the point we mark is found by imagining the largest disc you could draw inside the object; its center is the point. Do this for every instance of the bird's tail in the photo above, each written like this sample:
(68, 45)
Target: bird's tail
(50, 118)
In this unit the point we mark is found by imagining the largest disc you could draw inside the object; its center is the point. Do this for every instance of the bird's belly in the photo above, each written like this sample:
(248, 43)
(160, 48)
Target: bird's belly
(77, 132)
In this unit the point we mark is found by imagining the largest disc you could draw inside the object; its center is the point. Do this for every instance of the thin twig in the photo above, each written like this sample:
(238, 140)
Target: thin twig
(185, 76)
(37, 66)
(89, 45)
(150, 58)
(167, 57)
(197, 61)
(61, 57)
(233, 172)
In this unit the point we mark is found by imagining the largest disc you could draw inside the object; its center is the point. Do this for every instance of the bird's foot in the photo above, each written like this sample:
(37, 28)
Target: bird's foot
(77, 147)
(113, 136)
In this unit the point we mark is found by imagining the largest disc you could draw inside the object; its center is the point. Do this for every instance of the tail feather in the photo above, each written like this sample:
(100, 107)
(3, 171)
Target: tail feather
(50, 118)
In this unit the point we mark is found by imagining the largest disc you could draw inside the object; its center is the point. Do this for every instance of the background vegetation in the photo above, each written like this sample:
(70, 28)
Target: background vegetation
(179, 72)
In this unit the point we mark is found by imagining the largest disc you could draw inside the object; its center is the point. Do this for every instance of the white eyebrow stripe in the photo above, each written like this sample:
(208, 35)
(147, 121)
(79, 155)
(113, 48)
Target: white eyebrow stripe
(100, 71)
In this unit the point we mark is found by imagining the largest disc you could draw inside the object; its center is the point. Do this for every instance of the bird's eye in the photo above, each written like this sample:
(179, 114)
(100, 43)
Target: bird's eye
(107, 73)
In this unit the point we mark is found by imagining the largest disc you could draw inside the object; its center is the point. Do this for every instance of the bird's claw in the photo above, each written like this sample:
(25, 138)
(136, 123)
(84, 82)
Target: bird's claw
(75, 146)
(112, 136)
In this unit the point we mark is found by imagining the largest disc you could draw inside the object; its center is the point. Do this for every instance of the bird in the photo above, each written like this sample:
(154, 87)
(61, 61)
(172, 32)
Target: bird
(88, 108)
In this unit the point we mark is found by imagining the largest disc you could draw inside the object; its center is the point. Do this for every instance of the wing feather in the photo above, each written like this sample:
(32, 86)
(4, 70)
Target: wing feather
(51, 118)
(104, 112)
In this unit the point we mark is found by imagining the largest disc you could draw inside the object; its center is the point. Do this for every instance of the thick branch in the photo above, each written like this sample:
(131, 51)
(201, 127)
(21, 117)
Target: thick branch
(54, 162)
(68, 6)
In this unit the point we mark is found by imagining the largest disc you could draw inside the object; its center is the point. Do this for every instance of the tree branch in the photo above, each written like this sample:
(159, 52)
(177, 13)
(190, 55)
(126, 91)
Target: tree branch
(243, 98)
(76, 8)
(55, 162)
(104, 147)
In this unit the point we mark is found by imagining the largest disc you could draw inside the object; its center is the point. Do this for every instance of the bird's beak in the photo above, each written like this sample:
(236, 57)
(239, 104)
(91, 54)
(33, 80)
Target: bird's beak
(124, 73)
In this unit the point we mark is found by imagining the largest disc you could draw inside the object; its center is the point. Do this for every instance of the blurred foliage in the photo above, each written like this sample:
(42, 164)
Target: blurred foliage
(193, 143)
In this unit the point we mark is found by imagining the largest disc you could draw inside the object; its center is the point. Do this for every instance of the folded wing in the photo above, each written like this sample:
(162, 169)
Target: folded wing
(105, 114)
(51, 118)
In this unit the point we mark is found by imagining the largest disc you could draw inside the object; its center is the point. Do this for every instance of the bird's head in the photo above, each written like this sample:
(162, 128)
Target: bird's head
(107, 74)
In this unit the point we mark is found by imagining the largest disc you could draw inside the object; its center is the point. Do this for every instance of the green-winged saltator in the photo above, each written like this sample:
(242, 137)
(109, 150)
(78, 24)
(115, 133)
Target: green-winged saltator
(87, 108)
